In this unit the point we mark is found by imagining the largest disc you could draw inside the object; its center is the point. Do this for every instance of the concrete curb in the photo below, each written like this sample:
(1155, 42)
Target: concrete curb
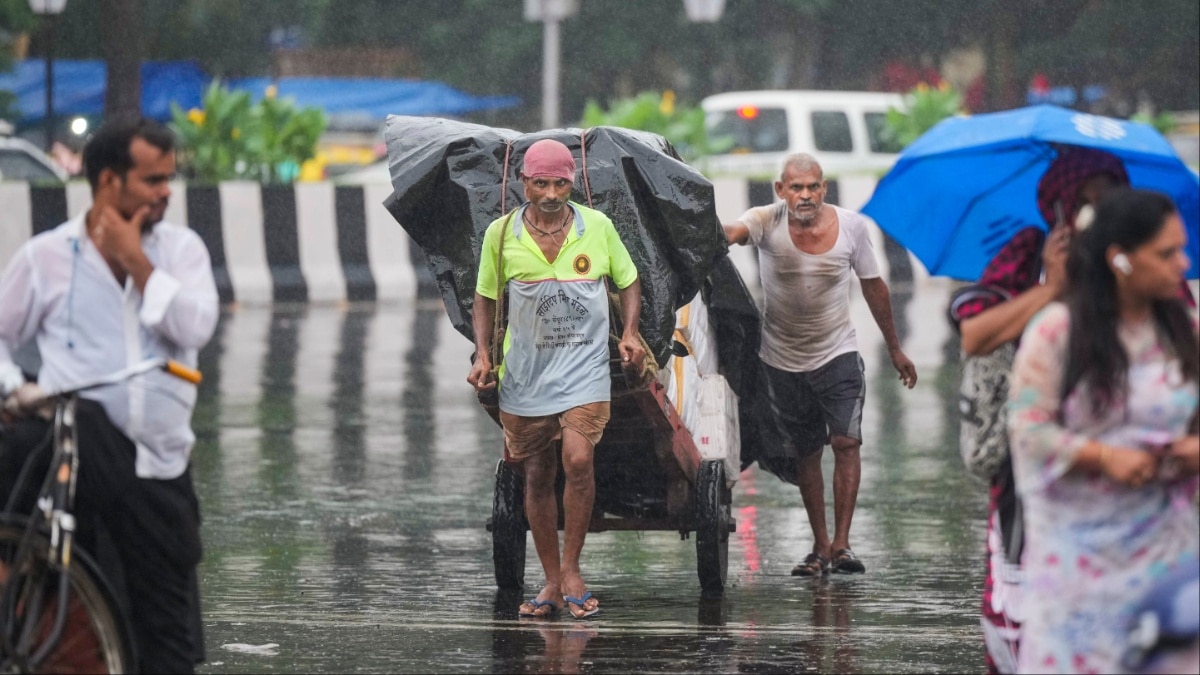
(326, 243)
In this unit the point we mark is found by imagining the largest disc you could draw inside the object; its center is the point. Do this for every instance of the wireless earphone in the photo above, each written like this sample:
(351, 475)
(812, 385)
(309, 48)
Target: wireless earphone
(1120, 262)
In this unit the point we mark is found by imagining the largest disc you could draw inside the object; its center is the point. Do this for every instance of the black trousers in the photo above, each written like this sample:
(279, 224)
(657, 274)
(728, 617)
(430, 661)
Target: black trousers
(143, 533)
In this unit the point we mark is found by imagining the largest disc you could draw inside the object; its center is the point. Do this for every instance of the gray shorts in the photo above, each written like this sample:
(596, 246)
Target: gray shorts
(809, 408)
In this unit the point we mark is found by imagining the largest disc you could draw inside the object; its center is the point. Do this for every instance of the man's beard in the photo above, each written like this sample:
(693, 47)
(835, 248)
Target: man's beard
(152, 218)
(806, 217)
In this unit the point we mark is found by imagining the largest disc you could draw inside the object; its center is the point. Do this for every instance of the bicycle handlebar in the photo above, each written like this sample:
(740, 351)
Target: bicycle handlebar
(168, 365)
(53, 511)
(183, 372)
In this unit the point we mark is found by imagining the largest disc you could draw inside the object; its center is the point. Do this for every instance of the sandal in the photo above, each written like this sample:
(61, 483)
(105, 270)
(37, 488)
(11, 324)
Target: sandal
(814, 565)
(845, 562)
(535, 609)
(581, 603)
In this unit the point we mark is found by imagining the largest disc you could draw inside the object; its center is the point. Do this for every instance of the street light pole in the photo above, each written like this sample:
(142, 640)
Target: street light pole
(551, 60)
(49, 9)
(550, 13)
(50, 85)
(704, 11)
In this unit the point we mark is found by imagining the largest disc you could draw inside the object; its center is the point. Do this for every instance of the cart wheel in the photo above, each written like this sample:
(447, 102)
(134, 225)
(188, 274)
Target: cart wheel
(508, 527)
(712, 525)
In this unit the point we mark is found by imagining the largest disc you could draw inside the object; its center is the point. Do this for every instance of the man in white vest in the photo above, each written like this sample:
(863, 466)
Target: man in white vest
(807, 250)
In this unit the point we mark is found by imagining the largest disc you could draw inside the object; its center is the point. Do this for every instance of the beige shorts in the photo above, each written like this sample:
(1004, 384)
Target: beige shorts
(525, 437)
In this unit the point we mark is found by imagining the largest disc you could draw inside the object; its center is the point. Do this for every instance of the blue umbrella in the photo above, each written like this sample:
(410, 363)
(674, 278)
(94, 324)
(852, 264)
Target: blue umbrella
(964, 188)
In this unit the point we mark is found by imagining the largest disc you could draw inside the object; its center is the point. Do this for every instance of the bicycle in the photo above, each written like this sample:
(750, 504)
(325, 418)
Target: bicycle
(57, 611)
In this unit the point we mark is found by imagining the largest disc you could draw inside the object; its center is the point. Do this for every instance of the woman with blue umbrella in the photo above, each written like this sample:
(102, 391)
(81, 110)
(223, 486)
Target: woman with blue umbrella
(975, 198)
(990, 316)
(961, 191)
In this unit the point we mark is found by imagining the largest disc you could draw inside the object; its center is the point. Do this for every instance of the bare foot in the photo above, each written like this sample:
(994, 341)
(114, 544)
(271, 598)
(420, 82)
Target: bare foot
(545, 604)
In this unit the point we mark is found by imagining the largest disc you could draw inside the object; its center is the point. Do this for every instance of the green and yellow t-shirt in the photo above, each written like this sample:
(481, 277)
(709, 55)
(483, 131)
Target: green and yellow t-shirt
(556, 346)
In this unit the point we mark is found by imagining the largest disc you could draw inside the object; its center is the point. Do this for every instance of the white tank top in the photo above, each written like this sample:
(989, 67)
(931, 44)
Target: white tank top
(806, 313)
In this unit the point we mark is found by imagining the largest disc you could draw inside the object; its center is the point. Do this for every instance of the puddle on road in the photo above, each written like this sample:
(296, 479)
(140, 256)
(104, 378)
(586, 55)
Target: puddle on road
(345, 472)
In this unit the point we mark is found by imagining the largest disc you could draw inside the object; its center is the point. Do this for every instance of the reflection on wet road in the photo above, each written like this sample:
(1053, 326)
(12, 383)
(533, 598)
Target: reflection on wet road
(345, 472)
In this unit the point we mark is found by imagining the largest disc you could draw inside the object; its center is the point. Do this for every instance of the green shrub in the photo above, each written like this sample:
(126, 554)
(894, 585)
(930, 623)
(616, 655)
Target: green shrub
(232, 138)
(926, 106)
(683, 126)
(1163, 123)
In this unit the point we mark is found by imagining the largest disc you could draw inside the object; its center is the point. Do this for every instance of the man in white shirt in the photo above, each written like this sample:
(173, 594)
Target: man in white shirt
(812, 368)
(102, 291)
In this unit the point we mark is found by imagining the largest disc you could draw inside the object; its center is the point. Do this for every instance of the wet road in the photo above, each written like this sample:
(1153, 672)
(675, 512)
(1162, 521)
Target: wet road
(345, 473)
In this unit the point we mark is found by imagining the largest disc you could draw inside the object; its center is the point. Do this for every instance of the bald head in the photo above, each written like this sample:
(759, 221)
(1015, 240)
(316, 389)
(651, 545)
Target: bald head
(801, 162)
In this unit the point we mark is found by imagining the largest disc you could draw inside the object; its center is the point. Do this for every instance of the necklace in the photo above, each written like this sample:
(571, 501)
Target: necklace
(528, 221)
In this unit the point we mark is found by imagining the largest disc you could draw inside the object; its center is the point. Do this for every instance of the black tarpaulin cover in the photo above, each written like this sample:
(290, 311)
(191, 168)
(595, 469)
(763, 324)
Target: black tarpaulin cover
(447, 179)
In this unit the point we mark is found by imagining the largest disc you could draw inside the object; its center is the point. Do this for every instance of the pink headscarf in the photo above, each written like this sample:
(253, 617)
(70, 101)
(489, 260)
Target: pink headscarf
(548, 159)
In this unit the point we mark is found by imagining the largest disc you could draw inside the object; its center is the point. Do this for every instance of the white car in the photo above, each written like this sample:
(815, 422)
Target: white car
(21, 160)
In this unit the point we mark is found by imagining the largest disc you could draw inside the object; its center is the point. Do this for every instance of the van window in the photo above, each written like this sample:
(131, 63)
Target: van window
(752, 129)
(831, 131)
(878, 135)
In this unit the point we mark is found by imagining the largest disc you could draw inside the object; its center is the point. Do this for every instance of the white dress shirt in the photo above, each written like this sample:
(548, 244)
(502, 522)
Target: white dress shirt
(59, 290)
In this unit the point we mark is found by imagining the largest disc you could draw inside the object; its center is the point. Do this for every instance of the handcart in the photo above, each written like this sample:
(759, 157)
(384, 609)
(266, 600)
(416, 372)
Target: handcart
(673, 446)
(650, 475)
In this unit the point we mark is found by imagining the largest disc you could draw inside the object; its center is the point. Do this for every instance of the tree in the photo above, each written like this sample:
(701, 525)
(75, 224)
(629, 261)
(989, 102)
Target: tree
(1155, 56)
(616, 48)
(121, 33)
(15, 21)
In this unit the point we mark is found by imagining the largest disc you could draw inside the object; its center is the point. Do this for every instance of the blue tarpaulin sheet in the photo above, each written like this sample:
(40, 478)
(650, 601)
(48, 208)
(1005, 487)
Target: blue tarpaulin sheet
(374, 98)
(79, 90)
(79, 87)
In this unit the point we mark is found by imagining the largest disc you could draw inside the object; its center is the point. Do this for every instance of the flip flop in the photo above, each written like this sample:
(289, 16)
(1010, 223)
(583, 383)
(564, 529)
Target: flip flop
(572, 600)
(813, 565)
(538, 604)
(845, 562)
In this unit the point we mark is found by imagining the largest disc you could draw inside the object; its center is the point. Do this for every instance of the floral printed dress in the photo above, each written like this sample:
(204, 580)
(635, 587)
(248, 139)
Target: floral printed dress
(1093, 546)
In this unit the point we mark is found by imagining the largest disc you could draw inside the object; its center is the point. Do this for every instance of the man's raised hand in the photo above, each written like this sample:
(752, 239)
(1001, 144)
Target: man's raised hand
(119, 239)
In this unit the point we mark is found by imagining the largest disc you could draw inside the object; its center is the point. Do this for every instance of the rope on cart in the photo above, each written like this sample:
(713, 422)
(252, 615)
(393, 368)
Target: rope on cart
(497, 346)
(587, 188)
(504, 176)
(649, 364)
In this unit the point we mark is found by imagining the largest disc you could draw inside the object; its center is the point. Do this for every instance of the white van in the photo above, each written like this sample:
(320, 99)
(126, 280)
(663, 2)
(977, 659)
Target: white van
(844, 130)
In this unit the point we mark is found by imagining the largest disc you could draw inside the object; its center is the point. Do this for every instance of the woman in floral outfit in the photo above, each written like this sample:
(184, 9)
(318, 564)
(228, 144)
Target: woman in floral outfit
(1105, 452)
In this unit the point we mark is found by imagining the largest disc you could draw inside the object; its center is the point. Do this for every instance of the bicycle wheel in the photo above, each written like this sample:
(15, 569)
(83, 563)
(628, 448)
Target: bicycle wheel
(94, 637)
